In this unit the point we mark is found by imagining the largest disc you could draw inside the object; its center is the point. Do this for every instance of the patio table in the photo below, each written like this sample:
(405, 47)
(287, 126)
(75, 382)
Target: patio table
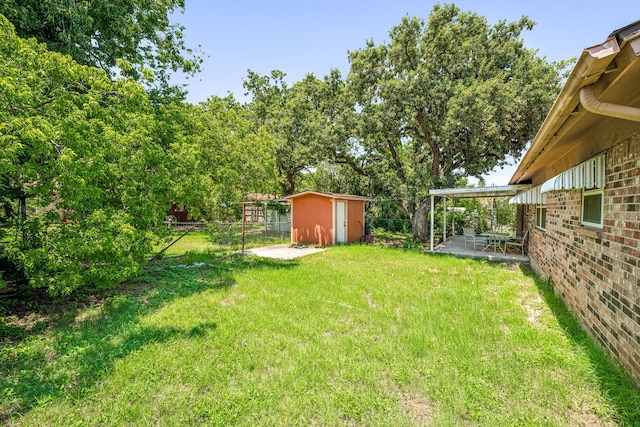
(495, 240)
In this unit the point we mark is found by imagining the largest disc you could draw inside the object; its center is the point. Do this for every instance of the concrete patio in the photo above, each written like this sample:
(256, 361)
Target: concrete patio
(455, 246)
(284, 252)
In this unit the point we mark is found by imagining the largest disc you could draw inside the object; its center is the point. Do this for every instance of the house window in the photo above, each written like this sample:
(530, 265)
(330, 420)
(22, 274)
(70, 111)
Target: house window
(541, 216)
(592, 207)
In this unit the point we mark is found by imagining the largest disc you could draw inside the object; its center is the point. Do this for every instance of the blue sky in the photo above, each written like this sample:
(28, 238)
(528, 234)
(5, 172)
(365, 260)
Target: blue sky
(300, 37)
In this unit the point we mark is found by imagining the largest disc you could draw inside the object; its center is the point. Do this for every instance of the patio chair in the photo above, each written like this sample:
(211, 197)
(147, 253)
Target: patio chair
(517, 242)
(469, 233)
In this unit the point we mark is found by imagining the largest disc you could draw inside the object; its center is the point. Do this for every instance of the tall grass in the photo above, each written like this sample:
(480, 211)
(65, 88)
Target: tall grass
(354, 335)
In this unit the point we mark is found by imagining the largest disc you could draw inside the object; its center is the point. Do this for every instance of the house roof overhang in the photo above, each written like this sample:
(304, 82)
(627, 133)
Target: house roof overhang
(336, 196)
(479, 192)
(571, 133)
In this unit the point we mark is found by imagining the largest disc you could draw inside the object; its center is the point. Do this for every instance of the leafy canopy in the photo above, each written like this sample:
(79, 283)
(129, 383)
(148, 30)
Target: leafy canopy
(133, 38)
(292, 116)
(216, 156)
(440, 100)
(82, 181)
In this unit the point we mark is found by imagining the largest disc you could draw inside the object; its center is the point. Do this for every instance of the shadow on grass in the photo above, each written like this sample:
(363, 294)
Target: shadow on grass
(613, 381)
(78, 340)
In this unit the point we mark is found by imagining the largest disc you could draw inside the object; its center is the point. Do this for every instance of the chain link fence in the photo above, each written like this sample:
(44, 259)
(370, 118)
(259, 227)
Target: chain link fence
(220, 236)
(396, 225)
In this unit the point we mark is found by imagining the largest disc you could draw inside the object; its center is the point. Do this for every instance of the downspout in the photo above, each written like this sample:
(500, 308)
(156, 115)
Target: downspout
(593, 105)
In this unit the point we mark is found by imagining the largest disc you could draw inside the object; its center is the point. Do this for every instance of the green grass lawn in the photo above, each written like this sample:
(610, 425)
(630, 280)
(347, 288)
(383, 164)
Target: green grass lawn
(202, 241)
(353, 336)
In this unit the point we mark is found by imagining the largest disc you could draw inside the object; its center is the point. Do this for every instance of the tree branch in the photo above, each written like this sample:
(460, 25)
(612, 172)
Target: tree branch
(397, 161)
(437, 165)
(346, 160)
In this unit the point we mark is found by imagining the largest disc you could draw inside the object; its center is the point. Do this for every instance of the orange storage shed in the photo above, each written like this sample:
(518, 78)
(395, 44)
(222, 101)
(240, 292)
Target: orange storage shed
(326, 218)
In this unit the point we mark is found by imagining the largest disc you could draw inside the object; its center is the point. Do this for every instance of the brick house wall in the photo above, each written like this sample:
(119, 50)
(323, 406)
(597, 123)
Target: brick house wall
(597, 272)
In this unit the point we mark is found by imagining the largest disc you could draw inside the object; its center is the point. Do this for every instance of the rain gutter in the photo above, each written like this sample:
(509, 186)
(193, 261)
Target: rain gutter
(590, 66)
(592, 104)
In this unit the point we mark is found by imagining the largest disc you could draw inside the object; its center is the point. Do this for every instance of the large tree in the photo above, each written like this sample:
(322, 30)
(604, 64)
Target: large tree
(216, 156)
(440, 100)
(82, 180)
(293, 116)
(134, 38)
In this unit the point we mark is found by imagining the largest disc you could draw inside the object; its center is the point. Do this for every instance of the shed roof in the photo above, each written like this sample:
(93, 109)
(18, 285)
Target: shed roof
(330, 195)
(606, 75)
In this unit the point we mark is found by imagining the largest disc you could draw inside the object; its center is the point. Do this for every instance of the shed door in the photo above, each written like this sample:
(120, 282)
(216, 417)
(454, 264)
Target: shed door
(341, 222)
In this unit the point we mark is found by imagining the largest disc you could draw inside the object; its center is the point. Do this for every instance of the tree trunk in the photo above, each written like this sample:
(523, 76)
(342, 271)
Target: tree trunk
(22, 215)
(22, 208)
(420, 223)
(285, 188)
(288, 184)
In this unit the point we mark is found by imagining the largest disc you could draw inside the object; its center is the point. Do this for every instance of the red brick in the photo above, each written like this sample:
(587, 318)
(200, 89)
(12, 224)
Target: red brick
(570, 256)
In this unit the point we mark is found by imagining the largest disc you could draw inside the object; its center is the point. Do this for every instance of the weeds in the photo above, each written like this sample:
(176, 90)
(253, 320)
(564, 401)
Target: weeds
(355, 335)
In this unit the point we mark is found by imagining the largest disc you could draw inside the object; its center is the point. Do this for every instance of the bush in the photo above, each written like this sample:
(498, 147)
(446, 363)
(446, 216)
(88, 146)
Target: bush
(100, 252)
(79, 149)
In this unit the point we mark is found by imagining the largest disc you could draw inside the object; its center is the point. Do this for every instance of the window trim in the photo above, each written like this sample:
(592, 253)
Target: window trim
(539, 208)
(587, 193)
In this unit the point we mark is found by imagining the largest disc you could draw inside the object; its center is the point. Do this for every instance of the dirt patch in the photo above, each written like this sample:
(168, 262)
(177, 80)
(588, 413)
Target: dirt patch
(370, 301)
(232, 299)
(583, 415)
(91, 312)
(532, 306)
(33, 311)
(418, 408)
(399, 311)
